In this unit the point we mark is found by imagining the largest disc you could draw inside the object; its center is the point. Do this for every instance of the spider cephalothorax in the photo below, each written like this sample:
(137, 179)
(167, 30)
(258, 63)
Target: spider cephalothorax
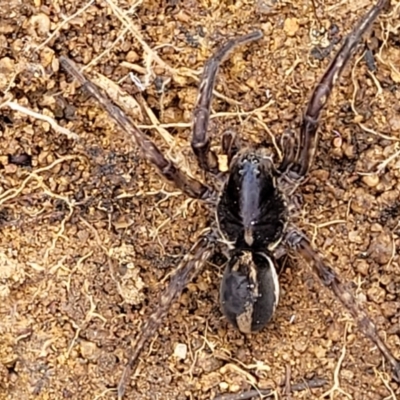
(252, 212)
(253, 218)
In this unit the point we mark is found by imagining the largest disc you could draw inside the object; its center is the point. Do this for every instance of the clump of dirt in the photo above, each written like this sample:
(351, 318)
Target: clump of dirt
(89, 233)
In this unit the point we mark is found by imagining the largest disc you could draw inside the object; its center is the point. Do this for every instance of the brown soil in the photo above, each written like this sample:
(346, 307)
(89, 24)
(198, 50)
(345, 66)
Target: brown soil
(90, 233)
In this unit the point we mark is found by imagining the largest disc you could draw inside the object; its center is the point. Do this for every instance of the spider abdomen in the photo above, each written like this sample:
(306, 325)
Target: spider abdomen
(249, 291)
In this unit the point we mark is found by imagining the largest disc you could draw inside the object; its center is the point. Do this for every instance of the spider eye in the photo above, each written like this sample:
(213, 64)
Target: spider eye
(249, 291)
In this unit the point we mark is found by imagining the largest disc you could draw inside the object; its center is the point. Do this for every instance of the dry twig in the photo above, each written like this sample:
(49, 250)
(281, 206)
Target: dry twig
(336, 384)
(59, 129)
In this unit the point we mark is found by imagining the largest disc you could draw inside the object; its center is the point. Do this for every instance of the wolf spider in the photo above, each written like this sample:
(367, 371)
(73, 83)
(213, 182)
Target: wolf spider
(254, 209)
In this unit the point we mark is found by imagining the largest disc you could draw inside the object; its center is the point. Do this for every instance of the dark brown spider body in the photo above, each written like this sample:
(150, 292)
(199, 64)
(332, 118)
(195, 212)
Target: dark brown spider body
(252, 212)
(251, 216)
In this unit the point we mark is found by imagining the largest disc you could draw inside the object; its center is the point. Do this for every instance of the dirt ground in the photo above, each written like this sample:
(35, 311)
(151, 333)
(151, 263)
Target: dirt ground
(90, 233)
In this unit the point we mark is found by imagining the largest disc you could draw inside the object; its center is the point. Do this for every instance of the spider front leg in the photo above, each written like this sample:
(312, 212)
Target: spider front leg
(187, 269)
(329, 278)
(206, 158)
(288, 145)
(321, 93)
(166, 168)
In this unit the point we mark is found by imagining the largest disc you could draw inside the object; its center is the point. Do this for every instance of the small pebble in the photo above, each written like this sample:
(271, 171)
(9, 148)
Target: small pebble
(362, 267)
(390, 308)
(132, 57)
(381, 248)
(41, 24)
(371, 180)
(376, 294)
(394, 122)
(337, 142)
(89, 350)
(291, 26)
(180, 351)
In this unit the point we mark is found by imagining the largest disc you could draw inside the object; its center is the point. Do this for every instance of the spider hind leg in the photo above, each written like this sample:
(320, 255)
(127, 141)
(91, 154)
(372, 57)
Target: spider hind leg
(329, 278)
(190, 266)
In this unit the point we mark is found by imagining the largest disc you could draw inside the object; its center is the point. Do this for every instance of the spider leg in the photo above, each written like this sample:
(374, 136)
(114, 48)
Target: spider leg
(187, 269)
(201, 116)
(321, 93)
(229, 145)
(166, 168)
(288, 145)
(330, 279)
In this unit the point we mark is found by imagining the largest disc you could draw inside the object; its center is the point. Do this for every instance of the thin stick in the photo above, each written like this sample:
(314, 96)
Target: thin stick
(336, 383)
(64, 131)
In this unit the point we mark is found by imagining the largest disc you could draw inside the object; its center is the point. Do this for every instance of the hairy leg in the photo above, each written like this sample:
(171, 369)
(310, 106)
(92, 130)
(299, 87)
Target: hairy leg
(188, 268)
(229, 145)
(166, 168)
(329, 278)
(288, 146)
(201, 116)
(321, 93)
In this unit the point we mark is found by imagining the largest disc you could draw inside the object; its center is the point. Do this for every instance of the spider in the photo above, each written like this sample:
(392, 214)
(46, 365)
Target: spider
(254, 210)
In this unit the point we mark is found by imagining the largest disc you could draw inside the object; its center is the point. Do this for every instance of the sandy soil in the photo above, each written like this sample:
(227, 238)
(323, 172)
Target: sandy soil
(90, 233)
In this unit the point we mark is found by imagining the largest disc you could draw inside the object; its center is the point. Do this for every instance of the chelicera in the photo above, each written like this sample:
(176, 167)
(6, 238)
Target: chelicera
(254, 222)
